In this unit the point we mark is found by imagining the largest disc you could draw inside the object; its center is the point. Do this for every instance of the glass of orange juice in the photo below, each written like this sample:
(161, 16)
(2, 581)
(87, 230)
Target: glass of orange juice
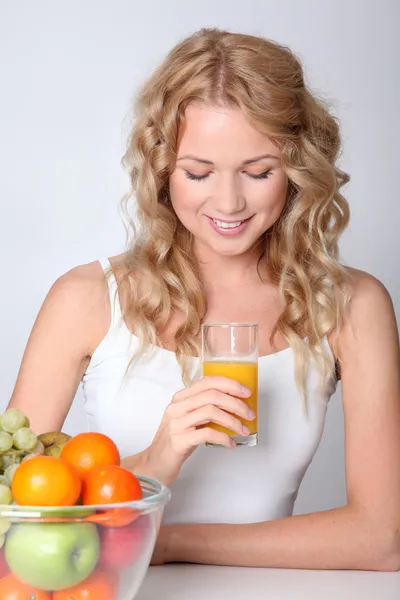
(231, 350)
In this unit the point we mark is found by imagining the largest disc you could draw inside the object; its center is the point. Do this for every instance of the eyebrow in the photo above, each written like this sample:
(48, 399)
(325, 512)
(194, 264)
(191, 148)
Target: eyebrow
(249, 161)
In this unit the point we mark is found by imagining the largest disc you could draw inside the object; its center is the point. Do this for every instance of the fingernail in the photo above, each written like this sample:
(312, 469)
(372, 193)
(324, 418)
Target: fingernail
(246, 391)
(245, 430)
(252, 414)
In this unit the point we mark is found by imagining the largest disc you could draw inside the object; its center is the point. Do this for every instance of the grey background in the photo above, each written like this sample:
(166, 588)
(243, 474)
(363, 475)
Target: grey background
(68, 69)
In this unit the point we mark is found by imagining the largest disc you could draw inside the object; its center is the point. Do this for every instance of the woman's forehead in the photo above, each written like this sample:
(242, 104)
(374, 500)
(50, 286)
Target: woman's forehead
(212, 129)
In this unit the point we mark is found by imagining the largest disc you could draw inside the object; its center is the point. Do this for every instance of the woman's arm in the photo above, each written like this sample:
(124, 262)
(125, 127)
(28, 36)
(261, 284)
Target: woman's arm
(72, 320)
(364, 534)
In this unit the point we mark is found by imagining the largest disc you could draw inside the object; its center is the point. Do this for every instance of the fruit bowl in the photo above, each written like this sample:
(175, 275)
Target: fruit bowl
(96, 552)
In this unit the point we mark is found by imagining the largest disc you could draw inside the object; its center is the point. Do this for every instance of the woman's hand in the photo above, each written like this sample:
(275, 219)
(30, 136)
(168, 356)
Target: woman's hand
(212, 399)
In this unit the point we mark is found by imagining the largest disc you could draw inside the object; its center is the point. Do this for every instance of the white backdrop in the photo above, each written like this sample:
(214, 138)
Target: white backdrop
(68, 69)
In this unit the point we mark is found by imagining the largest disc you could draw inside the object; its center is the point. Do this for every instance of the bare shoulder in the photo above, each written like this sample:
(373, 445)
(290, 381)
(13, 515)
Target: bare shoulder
(80, 289)
(367, 292)
(80, 297)
(82, 280)
(370, 314)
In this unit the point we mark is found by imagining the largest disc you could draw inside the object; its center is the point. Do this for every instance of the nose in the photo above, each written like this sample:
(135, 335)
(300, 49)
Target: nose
(229, 199)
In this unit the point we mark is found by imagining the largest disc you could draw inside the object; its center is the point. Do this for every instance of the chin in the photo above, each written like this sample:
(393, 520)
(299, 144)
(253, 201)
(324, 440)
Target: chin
(232, 248)
(239, 245)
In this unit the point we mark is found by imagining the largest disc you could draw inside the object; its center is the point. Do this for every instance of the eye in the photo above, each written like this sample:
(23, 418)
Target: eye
(194, 177)
(263, 175)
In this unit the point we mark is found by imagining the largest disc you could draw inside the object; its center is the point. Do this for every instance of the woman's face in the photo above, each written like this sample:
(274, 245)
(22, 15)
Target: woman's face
(228, 187)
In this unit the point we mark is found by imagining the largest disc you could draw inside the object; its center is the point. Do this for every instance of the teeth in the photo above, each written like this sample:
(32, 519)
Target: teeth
(225, 225)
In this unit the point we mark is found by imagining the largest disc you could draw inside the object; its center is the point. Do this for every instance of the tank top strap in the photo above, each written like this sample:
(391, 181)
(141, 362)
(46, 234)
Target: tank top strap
(116, 311)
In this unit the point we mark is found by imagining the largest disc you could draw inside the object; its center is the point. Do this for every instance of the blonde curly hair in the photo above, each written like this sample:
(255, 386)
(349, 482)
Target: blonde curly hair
(265, 80)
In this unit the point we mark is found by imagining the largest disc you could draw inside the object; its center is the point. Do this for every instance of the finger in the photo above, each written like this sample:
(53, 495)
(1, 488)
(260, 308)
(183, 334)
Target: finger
(209, 382)
(211, 397)
(211, 413)
(206, 434)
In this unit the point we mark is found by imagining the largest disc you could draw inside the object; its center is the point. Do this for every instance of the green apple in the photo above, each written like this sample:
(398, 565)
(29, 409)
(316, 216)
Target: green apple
(52, 556)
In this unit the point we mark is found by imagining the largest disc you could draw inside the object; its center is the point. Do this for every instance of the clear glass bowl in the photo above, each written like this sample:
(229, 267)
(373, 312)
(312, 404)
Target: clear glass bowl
(105, 549)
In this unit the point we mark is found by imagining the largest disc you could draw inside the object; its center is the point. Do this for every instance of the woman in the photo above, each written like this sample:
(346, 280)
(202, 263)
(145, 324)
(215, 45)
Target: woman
(227, 136)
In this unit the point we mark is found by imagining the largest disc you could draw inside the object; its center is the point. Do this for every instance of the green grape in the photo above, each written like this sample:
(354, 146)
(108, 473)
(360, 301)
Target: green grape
(25, 439)
(9, 473)
(12, 420)
(2, 539)
(6, 441)
(28, 457)
(9, 459)
(38, 449)
(5, 494)
(4, 525)
(3, 479)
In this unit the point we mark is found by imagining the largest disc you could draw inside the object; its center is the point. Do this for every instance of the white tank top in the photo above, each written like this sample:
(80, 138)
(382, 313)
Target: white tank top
(240, 485)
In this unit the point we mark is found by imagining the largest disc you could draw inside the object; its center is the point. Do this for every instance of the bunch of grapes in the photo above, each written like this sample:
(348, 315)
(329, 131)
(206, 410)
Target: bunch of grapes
(17, 442)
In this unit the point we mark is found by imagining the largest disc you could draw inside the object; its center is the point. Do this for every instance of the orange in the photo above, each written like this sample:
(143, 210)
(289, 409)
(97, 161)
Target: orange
(109, 485)
(98, 586)
(12, 588)
(86, 451)
(46, 481)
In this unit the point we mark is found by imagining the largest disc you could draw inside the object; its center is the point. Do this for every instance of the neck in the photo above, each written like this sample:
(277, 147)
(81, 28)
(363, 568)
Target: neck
(217, 270)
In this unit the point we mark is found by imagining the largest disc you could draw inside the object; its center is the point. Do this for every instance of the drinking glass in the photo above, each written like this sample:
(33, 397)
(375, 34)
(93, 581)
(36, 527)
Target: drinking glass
(231, 350)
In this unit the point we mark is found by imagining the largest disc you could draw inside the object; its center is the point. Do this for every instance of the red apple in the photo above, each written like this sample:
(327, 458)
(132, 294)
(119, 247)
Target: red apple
(4, 570)
(120, 547)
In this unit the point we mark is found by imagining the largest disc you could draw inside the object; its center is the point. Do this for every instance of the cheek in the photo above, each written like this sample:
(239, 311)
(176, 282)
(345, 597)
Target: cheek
(176, 185)
(273, 198)
(186, 194)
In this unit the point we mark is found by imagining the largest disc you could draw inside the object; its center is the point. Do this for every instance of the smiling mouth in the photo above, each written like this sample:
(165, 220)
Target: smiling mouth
(229, 224)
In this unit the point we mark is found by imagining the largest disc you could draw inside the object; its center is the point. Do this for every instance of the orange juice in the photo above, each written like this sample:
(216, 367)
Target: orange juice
(247, 374)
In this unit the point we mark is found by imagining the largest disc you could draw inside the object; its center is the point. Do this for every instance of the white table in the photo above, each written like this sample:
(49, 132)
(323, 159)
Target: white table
(198, 582)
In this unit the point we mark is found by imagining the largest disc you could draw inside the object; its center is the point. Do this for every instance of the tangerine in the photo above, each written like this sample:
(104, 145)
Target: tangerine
(46, 481)
(109, 485)
(87, 451)
(98, 586)
(11, 588)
